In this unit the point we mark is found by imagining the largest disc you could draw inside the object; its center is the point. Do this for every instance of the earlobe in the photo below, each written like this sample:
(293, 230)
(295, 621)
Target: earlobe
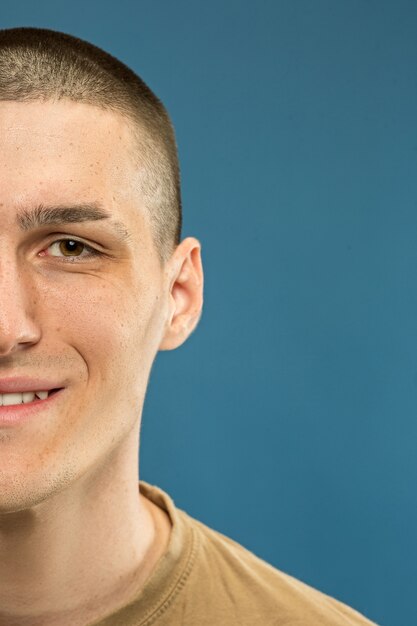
(185, 293)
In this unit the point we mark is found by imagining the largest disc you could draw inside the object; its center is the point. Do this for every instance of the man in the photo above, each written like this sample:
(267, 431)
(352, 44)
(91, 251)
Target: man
(94, 281)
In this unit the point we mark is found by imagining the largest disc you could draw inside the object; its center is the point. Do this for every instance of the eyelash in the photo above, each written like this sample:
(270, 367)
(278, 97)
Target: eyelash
(91, 252)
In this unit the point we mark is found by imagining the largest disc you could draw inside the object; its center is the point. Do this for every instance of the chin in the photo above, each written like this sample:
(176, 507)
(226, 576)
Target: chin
(20, 492)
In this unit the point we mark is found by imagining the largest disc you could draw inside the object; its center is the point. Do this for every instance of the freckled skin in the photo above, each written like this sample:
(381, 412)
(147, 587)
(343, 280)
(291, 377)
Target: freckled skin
(126, 321)
(68, 480)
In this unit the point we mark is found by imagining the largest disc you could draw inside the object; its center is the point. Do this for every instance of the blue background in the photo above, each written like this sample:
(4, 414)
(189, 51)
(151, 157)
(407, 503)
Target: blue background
(288, 420)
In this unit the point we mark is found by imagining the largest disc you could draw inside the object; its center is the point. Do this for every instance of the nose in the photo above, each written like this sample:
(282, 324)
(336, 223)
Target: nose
(18, 328)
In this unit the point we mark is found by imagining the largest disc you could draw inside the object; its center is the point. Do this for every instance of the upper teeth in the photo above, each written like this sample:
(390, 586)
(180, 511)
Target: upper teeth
(6, 399)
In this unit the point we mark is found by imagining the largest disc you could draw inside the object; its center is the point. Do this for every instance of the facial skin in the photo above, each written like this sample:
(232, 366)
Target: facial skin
(92, 324)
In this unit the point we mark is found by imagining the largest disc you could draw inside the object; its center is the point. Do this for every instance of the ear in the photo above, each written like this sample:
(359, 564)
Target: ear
(184, 273)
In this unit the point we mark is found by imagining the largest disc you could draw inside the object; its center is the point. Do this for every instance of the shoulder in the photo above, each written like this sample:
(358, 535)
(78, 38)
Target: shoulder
(206, 578)
(238, 580)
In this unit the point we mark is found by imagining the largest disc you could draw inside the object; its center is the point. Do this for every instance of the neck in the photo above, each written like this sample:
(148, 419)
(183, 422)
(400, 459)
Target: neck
(84, 552)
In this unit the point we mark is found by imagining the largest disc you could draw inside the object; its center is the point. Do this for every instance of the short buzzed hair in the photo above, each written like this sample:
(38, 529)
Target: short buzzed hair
(41, 64)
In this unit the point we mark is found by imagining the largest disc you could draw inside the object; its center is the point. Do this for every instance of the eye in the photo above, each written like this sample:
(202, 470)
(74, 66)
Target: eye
(71, 249)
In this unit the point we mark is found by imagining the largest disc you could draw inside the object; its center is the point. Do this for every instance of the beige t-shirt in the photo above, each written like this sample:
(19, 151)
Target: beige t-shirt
(206, 579)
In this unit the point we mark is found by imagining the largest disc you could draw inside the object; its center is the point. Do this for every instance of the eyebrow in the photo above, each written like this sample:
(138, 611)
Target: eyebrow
(41, 215)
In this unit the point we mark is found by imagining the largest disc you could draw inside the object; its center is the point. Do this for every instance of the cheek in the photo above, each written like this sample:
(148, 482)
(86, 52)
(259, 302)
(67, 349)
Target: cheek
(105, 333)
(114, 328)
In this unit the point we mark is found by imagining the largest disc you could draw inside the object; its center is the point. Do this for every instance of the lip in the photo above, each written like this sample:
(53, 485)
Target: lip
(24, 383)
(20, 413)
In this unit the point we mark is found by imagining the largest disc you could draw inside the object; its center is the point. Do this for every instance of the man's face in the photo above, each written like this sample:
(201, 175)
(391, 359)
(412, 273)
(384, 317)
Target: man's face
(89, 323)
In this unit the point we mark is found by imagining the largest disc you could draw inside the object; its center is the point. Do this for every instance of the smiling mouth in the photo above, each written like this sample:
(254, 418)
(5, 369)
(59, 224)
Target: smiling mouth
(25, 397)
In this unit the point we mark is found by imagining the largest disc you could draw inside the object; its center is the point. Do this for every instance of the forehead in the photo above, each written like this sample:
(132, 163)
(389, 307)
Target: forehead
(64, 151)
